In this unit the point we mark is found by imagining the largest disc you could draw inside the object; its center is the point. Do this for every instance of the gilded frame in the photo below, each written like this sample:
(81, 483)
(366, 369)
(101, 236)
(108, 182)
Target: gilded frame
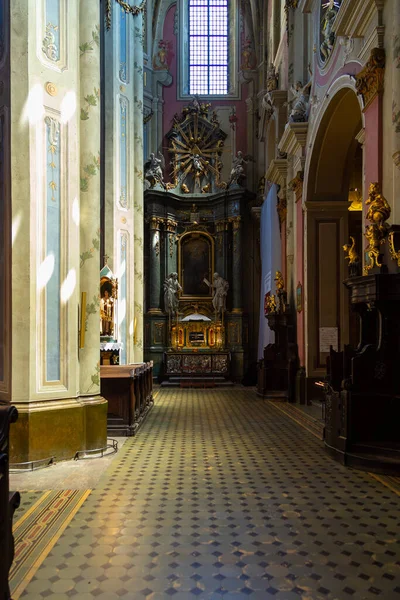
(211, 264)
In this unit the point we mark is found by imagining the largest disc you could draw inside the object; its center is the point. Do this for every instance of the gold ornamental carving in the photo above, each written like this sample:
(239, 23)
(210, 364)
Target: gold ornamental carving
(171, 226)
(296, 185)
(377, 232)
(51, 88)
(236, 222)
(281, 207)
(131, 10)
(394, 251)
(369, 81)
(155, 223)
(221, 226)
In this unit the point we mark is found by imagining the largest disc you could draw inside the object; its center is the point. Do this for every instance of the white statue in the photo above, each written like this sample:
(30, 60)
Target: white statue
(172, 288)
(221, 287)
(153, 169)
(198, 167)
(328, 34)
(299, 102)
(237, 171)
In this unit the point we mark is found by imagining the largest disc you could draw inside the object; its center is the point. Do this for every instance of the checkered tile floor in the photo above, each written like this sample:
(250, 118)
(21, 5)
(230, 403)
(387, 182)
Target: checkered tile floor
(222, 496)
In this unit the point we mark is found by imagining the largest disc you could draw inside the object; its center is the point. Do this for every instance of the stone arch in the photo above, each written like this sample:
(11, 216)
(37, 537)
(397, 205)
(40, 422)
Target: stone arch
(329, 169)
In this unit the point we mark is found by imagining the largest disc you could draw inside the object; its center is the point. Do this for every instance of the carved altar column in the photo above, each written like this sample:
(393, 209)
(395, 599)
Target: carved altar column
(220, 250)
(155, 265)
(236, 283)
(89, 356)
(170, 246)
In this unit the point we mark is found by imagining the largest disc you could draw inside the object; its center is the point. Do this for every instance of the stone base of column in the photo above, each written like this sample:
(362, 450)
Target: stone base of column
(58, 428)
(155, 311)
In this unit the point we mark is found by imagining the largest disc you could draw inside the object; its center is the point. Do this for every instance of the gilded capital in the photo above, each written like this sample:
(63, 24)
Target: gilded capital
(236, 221)
(155, 222)
(171, 226)
(221, 226)
(369, 81)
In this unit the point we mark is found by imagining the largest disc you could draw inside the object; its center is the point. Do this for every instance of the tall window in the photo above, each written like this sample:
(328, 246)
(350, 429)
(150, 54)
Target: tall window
(208, 46)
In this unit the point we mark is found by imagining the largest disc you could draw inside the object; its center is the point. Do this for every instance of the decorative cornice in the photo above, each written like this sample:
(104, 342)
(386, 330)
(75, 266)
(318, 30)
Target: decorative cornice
(277, 171)
(369, 81)
(294, 139)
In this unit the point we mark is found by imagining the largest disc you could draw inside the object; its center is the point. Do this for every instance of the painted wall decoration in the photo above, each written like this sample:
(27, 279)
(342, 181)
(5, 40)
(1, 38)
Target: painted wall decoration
(123, 152)
(161, 58)
(51, 40)
(53, 249)
(123, 47)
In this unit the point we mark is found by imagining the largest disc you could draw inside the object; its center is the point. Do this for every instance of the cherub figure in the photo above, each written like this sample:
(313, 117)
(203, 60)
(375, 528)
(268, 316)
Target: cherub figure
(379, 209)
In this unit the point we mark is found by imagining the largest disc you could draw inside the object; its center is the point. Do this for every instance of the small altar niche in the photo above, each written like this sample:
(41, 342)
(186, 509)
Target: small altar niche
(198, 335)
(109, 345)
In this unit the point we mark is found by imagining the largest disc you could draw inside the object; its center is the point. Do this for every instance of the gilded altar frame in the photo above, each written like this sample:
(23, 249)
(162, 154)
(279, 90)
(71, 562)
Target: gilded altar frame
(211, 265)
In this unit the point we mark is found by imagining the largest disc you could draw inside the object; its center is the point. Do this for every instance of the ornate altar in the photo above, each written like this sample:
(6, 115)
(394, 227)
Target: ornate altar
(109, 345)
(193, 254)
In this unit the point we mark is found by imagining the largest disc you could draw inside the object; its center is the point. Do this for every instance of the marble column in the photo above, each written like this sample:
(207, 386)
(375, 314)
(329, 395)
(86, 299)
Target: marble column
(236, 283)
(138, 222)
(89, 356)
(171, 246)
(221, 245)
(155, 265)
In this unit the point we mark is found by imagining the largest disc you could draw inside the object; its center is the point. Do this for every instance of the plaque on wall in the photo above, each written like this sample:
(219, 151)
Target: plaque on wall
(328, 336)
(196, 336)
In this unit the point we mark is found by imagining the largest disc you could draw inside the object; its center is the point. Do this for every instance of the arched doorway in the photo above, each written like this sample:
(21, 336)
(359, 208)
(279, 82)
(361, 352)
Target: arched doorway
(334, 184)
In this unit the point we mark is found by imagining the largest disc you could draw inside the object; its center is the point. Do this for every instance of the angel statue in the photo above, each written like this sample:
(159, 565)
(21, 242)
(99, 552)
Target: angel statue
(237, 171)
(153, 169)
(172, 289)
(327, 33)
(299, 102)
(220, 287)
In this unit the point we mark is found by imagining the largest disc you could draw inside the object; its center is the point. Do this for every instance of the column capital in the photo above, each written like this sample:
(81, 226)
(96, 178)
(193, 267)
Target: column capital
(221, 226)
(370, 80)
(236, 222)
(156, 222)
(171, 226)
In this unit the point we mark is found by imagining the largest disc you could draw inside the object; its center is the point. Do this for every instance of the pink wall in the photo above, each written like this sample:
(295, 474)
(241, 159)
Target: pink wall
(373, 142)
(172, 105)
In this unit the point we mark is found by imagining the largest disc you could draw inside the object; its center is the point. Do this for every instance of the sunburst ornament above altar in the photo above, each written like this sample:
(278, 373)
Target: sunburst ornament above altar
(196, 144)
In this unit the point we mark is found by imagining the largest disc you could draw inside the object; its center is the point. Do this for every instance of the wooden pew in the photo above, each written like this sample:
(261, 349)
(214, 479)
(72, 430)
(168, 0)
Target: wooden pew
(9, 501)
(129, 391)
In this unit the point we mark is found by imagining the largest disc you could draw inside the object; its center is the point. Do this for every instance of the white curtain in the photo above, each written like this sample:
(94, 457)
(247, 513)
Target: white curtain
(270, 250)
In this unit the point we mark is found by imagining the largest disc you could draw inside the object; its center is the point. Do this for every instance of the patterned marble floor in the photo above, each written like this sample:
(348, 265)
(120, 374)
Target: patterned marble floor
(223, 496)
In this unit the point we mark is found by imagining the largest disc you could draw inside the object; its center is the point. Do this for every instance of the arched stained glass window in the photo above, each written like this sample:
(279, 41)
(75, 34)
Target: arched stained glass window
(208, 47)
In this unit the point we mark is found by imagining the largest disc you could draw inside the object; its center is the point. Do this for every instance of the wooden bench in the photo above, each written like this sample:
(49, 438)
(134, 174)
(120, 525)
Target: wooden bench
(9, 501)
(129, 391)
